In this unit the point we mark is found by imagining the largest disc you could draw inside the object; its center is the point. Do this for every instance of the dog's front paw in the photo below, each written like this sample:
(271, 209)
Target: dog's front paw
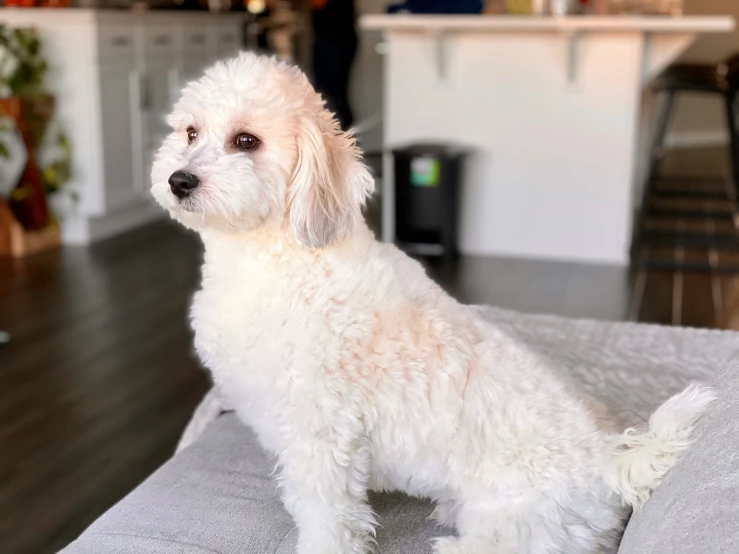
(449, 545)
(445, 513)
(343, 543)
(470, 545)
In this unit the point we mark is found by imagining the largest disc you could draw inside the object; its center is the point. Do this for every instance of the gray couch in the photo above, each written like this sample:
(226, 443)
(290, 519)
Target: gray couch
(216, 495)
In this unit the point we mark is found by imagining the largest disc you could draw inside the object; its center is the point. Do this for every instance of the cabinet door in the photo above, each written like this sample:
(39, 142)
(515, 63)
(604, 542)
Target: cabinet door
(116, 43)
(229, 41)
(193, 66)
(161, 90)
(119, 94)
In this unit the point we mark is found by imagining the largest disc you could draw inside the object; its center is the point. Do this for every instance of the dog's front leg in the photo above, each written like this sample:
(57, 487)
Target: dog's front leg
(324, 484)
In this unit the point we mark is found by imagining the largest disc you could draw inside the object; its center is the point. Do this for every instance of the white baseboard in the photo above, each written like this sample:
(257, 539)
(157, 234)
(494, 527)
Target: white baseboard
(80, 229)
(75, 229)
(125, 220)
(696, 139)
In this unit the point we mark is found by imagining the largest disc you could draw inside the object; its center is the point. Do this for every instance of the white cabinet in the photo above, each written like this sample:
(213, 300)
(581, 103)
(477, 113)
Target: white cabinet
(197, 50)
(157, 59)
(115, 42)
(192, 67)
(116, 76)
(121, 141)
(159, 82)
(228, 41)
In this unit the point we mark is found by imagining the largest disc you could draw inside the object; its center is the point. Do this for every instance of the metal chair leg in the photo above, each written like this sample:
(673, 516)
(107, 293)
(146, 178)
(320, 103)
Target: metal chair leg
(663, 122)
(731, 118)
(666, 101)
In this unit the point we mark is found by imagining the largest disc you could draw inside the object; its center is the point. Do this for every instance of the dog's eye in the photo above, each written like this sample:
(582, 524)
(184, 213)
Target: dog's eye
(192, 135)
(246, 142)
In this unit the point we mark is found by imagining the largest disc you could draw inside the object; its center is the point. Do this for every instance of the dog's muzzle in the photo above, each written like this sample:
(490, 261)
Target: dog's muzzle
(182, 183)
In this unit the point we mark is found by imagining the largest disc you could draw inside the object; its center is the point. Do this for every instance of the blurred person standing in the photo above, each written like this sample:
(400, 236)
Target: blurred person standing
(334, 49)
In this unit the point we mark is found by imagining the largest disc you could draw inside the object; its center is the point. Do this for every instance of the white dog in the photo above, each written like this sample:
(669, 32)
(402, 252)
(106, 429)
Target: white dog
(355, 368)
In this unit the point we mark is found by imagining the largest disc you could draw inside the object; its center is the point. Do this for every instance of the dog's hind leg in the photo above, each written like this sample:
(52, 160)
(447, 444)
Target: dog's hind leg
(483, 529)
(445, 513)
(530, 524)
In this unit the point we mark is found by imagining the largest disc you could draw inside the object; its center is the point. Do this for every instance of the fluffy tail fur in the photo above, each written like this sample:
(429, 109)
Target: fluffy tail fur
(640, 458)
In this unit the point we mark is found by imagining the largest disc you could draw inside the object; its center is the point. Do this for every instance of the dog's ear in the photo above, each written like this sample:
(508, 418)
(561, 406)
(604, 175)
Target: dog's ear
(329, 184)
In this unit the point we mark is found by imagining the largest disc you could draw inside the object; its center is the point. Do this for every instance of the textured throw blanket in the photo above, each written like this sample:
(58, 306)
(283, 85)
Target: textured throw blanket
(631, 368)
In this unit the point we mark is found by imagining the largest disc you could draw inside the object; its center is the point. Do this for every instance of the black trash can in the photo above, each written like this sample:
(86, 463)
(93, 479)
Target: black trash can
(427, 183)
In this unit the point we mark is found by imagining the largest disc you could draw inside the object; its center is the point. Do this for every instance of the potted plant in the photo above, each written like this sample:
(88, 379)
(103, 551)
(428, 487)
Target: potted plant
(12, 156)
(22, 70)
(25, 102)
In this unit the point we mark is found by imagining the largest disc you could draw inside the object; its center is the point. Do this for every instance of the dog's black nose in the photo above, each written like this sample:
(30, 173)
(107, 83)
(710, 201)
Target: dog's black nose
(183, 183)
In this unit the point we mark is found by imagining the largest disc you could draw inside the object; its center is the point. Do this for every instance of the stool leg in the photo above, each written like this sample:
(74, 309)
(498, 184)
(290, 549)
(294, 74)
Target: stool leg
(666, 102)
(731, 115)
(663, 122)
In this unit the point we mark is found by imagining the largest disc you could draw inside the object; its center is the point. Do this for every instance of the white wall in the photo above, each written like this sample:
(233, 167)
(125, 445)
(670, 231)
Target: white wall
(698, 119)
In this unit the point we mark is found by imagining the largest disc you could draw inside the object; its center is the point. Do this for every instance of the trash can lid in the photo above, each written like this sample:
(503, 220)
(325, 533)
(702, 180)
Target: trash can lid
(437, 150)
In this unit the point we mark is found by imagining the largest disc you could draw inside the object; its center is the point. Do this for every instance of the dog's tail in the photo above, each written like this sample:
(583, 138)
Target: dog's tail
(639, 459)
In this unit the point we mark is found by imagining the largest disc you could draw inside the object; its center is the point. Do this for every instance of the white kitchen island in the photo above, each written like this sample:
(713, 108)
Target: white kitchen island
(553, 110)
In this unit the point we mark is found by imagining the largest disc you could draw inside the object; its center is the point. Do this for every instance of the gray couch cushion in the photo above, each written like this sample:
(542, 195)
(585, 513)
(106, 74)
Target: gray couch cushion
(217, 495)
(696, 510)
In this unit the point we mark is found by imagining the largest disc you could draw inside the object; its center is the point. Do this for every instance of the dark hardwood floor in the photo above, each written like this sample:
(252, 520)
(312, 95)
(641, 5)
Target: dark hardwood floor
(687, 246)
(100, 378)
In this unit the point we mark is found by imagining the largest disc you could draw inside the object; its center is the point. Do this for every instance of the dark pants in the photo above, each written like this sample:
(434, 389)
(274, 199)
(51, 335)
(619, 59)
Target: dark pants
(333, 55)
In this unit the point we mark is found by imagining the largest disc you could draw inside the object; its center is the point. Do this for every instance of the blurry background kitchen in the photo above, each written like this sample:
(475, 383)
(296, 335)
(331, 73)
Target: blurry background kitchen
(556, 156)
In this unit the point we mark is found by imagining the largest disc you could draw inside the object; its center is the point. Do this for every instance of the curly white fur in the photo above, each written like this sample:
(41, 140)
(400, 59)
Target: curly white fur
(357, 370)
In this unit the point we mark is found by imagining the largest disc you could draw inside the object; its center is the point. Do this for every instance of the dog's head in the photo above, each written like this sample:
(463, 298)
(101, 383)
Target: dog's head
(253, 147)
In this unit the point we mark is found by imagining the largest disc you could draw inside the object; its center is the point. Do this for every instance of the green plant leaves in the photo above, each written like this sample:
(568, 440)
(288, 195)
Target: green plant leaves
(22, 67)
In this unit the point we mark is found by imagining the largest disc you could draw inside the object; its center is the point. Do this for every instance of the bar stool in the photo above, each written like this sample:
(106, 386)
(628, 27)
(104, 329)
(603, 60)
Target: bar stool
(721, 79)
(718, 79)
